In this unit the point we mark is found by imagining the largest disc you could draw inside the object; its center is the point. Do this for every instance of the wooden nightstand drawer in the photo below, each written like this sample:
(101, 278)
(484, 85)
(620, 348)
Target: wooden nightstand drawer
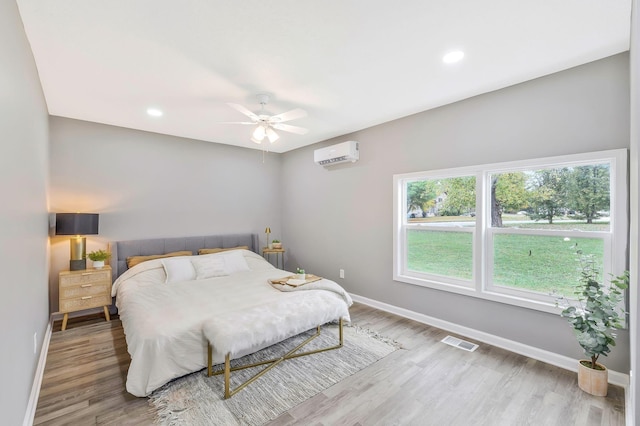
(84, 302)
(79, 278)
(88, 289)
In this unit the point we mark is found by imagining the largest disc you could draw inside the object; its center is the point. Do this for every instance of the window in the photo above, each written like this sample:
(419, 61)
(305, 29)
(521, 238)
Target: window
(510, 232)
(441, 220)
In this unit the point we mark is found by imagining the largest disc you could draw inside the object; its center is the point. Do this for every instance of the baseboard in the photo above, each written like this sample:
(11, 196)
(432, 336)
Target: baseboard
(37, 379)
(567, 363)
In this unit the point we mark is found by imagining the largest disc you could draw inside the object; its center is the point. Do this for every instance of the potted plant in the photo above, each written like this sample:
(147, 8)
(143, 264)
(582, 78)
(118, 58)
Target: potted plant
(594, 316)
(276, 244)
(98, 257)
(300, 274)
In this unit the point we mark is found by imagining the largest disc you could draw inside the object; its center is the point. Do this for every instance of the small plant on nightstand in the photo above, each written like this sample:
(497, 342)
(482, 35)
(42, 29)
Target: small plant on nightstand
(276, 244)
(98, 257)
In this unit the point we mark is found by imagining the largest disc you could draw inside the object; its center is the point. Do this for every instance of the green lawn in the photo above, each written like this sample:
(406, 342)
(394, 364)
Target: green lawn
(540, 263)
(440, 252)
(536, 263)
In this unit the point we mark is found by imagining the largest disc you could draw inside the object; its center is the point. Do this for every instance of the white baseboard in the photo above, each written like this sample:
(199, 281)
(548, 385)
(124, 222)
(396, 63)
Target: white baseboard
(37, 379)
(615, 378)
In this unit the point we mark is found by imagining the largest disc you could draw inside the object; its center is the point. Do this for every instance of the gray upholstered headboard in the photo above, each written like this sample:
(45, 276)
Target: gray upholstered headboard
(120, 250)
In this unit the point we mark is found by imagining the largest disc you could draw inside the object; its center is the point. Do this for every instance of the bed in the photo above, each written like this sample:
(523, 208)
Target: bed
(167, 303)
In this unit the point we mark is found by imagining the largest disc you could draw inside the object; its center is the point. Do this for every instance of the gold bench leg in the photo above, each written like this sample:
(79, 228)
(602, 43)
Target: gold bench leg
(209, 360)
(227, 376)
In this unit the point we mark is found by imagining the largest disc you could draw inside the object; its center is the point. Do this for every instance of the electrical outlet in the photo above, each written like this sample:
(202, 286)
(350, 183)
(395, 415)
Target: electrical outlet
(35, 342)
(341, 273)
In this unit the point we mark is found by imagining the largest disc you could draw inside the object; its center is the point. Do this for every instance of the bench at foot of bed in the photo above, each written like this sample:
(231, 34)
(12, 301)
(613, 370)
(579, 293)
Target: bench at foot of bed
(239, 333)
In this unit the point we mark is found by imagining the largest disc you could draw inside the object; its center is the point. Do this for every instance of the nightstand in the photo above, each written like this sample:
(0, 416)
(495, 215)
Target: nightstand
(266, 252)
(84, 289)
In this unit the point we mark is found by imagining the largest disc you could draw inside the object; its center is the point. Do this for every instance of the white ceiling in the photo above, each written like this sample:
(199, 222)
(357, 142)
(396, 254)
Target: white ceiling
(350, 64)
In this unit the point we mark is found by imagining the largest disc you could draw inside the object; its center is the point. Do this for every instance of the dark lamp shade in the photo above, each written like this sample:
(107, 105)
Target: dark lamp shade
(76, 223)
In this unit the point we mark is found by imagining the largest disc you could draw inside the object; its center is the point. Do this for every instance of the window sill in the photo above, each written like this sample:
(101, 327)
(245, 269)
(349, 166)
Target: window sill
(483, 295)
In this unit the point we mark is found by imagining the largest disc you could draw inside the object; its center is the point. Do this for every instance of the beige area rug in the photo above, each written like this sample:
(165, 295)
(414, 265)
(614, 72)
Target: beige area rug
(197, 399)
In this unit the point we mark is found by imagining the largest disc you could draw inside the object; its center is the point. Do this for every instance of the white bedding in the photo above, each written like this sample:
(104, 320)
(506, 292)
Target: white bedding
(163, 323)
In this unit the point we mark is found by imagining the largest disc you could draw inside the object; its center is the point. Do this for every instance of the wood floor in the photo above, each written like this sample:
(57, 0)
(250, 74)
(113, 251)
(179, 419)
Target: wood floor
(425, 383)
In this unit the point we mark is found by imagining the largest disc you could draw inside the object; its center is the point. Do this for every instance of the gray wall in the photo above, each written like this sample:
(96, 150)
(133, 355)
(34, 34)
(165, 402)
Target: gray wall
(342, 217)
(146, 185)
(23, 216)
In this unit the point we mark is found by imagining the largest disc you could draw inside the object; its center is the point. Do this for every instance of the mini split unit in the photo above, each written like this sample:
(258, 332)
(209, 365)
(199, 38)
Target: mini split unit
(336, 154)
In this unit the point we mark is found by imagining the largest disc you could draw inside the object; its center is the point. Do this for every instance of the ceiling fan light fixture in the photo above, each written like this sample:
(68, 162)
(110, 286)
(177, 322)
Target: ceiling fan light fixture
(259, 133)
(272, 135)
(266, 124)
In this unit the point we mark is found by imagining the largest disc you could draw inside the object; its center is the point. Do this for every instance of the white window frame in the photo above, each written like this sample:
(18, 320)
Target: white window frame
(480, 286)
(435, 281)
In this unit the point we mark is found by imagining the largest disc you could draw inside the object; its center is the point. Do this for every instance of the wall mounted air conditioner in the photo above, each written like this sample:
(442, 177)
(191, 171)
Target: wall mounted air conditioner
(336, 154)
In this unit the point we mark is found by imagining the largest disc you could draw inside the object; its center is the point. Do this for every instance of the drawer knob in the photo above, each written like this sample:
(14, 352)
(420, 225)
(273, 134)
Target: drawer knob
(85, 285)
(86, 297)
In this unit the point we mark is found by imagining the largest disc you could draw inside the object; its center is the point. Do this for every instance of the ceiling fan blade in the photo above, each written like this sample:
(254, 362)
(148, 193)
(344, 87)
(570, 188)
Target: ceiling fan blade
(237, 122)
(289, 115)
(290, 128)
(244, 111)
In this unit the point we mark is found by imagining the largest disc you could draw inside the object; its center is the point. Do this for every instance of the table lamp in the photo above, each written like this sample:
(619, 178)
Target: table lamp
(267, 231)
(78, 225)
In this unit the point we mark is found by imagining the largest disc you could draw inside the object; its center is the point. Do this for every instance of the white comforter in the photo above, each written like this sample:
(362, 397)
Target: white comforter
(163, 323)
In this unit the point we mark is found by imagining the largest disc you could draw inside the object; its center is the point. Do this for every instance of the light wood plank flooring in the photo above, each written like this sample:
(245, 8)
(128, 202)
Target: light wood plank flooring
(425, 383)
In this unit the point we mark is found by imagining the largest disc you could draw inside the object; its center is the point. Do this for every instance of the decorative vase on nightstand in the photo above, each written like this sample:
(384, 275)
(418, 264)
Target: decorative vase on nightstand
(97, 264)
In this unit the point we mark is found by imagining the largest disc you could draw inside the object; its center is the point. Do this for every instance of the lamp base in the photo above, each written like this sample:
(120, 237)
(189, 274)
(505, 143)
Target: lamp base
(77, 265)
(78, 260)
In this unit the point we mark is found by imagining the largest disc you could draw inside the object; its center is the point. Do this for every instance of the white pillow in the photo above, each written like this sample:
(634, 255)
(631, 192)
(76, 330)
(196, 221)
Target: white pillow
(178, 269)
(234, 261)
(209, 266)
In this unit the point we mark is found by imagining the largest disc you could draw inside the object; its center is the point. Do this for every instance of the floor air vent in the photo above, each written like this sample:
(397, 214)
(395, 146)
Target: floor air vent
(462, 344)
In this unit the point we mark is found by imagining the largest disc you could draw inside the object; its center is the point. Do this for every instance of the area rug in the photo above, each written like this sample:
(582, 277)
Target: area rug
(198, 400)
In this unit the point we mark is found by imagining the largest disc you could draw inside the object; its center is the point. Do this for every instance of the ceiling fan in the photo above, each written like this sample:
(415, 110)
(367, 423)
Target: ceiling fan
(265, 123)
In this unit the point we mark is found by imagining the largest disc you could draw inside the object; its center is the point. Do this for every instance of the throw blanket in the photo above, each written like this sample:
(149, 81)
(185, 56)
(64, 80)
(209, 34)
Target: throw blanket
(322, 284)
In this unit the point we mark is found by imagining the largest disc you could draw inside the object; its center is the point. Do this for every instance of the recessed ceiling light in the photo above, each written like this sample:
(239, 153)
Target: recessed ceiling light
(452, 57)
(154, 112)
